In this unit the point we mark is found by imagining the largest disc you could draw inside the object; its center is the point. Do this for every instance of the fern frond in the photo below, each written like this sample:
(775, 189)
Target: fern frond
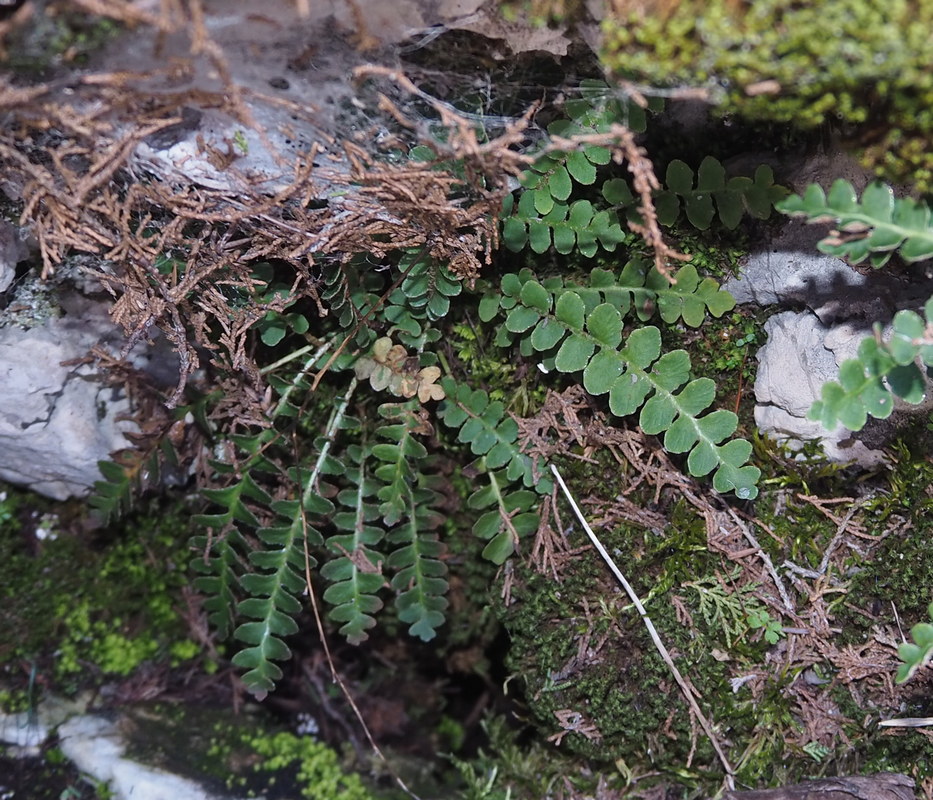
(276, 580)
(578, 226)
(274, 575)
(873, 228)
(510, 520)
(487, 429)
(706, 194)
(576, 338)
(407, 507)
(884, 369)
(113, 496)
(639, 288)
(397, 471)
(420, 580)
(355, 569)
(219, 568)
(219, 562)
(543, 217)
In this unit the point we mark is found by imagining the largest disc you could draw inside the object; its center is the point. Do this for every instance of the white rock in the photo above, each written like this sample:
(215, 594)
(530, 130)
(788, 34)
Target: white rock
(801, 354)
(30, 729)
(96, 747)
(57, 422)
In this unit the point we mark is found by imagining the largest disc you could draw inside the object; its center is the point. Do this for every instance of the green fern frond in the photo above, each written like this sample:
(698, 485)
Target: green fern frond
(873, 228)
(918, 653)
(355, 568)
(219, 568)
(113, 496)
(407, 506)
(577, 226)
(421, 577)
(544, 217)
(398, 455)
(868, 384)
(133, 472)
(577, 338)
(428, 285)
(276, 580)
(639, 288)
(219, 561)
(278, 556)
(511, 518)
(487, 429)
(707, 193)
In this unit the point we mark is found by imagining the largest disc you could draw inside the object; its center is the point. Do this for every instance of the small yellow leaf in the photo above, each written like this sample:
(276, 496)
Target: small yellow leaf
(407, 386)
(430, 391)
(396, 355)
(381, 348)
(429, 374)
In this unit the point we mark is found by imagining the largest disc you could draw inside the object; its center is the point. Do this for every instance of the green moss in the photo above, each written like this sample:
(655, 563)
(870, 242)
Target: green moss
(318, 771)
(50, 40)
(623, 688)
(83, 609)
(900, 570)
(864, 63)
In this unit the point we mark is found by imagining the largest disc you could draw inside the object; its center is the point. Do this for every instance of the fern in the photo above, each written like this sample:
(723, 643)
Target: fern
(868, 384)
(113, 496)
(492, 435)
(218, 558)
(576, 337)
(543, 218)
(485, 427)
(359, 506)
(873, 228)
(355, 569)
(274, 573)
(132, 473)
(708, 193)
(408, 500)
(511, 518)
(916, 654)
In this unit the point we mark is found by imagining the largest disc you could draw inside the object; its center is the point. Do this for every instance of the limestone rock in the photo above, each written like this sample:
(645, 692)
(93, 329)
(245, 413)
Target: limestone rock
(57, 421)
(96, 746)
(801, 354)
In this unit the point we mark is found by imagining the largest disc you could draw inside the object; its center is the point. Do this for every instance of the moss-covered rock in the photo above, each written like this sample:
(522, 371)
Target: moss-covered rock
(82, 607)
(862, 63)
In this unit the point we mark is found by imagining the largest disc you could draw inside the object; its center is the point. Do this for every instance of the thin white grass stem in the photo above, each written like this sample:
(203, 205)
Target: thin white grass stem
(652, 631)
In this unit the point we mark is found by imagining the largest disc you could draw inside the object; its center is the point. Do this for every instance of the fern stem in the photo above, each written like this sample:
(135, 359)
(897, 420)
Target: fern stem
(292, 356)
(296, 381)
(333, 426)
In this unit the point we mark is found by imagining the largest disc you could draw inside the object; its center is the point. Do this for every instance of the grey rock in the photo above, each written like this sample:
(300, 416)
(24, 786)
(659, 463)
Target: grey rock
(12, 250)
(56, 420)
(790, 271)
(794, 363)
(100, 746)
(801, 354)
